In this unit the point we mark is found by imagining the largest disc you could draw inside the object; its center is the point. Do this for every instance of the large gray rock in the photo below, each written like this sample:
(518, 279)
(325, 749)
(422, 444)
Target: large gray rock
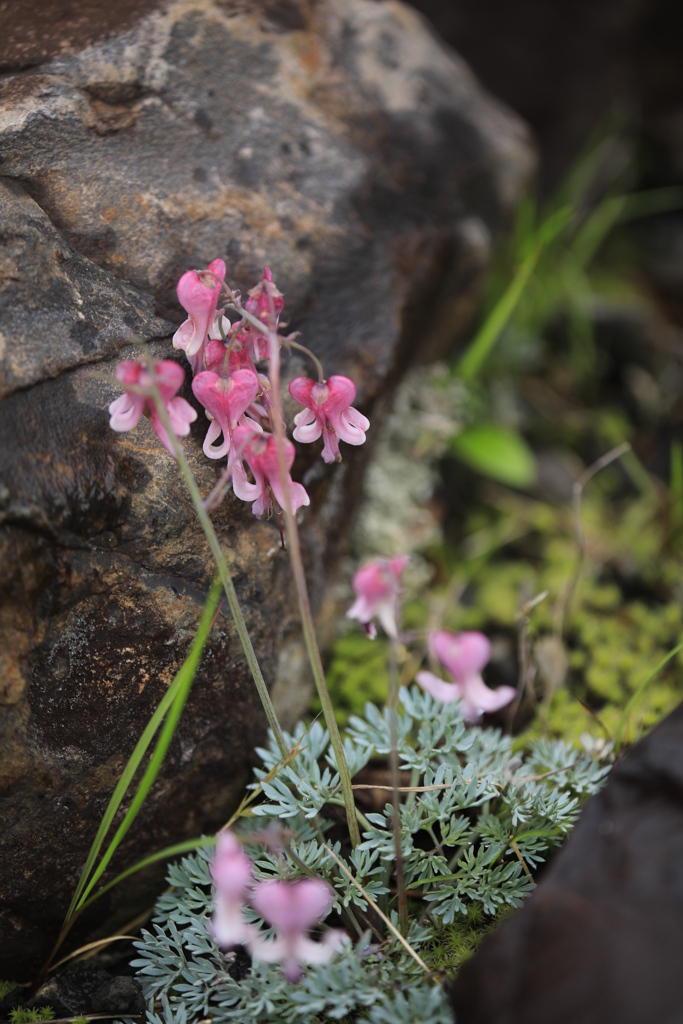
(337, 141)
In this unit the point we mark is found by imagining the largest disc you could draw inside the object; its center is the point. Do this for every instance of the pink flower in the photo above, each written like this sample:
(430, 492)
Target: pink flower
(227, 399)
(126, 410)
(292, 908)
(198, 295)
(464, 655)
(259, 450)
(231, 871)
(216, 356)
(328, 412)
(266, 303)
(377, 591)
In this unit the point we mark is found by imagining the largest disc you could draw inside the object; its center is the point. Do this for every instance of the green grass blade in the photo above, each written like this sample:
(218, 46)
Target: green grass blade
(169, 851)
(184, 678)
(193, 844)
(596, 227)
(646, 682)
(653, 201)
(134, 763)
(676, 482)
(494, 324)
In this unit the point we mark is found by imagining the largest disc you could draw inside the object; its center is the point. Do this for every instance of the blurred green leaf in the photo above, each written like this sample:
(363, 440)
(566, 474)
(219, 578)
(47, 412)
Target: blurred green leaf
(497, 453)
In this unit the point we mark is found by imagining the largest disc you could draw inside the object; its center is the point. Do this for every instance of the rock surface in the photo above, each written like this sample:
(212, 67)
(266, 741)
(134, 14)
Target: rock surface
(84, 988)
(601, 939)
(337, 141)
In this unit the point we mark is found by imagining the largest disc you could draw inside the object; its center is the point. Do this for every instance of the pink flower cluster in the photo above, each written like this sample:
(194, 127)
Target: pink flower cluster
(235, 395)
(291, 908)
(464, 655)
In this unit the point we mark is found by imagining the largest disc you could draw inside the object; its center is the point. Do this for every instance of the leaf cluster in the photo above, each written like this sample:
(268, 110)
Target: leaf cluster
(470, 845)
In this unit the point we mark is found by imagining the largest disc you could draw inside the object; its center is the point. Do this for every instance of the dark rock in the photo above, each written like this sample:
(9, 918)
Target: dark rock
(121, 995)
(49, 291)
(85, 988)
(10, 1002)
(601, 939)
(343, 145)
(71, 991)
(572, 68)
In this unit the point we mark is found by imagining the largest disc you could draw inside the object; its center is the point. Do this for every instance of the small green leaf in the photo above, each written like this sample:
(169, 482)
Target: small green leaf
(496, 453)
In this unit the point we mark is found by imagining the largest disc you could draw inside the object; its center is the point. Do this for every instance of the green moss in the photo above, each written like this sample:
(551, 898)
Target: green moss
(23, 1016)
(455, 943)
(356, 673)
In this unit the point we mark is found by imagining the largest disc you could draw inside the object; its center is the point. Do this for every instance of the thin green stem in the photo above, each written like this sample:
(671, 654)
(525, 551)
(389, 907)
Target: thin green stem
(167, 732)
(494, 324)
(296, 560)
(395, 784)
(636, 695)
(154, 858)
(221, 563)
(179, 686)
(290, 343)
(359, 814)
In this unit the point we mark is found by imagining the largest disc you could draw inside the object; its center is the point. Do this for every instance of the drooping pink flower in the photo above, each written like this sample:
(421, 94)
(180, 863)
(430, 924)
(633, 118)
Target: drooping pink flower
(259, 450)
(328, 412)
(377, 588)
(265, 300)
(266, 303)
(464, 655)
(292, 908)
(227, 399)
(232, 873)
(198, 295)
(216, 356)
(126, 410)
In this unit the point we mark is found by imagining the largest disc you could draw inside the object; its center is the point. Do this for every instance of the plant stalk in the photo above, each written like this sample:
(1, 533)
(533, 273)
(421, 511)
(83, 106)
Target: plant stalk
(221, 563)
(395, 786)
(296, 560)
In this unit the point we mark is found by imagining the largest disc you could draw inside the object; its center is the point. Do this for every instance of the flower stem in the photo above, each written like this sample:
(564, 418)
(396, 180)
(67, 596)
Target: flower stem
(395, 786)
(290, 343)
(221, 563)
(296, 560)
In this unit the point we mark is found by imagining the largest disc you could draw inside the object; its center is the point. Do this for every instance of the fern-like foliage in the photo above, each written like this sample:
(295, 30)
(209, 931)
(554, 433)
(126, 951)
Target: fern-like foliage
(470, 846)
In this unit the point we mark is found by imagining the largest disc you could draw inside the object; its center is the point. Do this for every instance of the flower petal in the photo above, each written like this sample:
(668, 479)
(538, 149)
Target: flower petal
(351, 426)
(293, 907)
(463, 654)
(181, 414)
(438, 688)
(307, 427)
(210, 449)
(125, 412)
(478, 695)
(300, 390)
(241, 485)
(342, 392)
(309, 952)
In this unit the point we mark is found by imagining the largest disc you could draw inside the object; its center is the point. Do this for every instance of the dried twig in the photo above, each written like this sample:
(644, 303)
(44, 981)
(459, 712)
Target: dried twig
(577, 495)
(366, 895)
(524, 682)
(514, 846)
